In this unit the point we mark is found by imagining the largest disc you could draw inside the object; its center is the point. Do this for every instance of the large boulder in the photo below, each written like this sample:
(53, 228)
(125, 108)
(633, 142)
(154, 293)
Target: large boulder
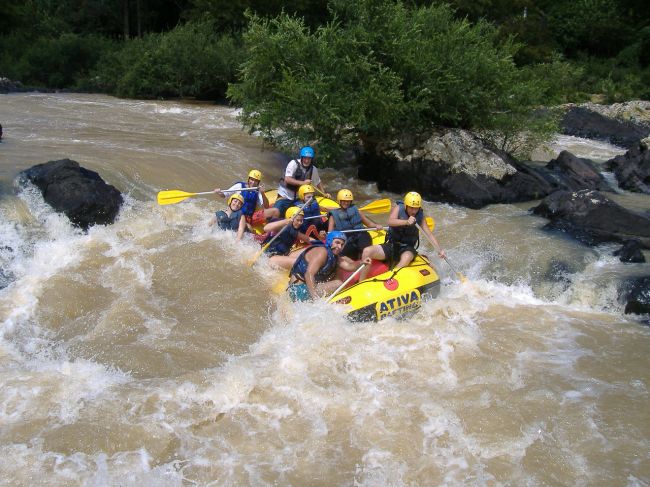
(456, 166)
(592, 218)
(8, 86)
(635, 293)
(632, 170)
(79, 193)
(623, 124)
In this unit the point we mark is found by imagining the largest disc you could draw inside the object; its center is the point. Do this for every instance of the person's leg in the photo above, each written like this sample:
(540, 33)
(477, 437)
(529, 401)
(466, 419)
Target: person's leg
(324, 289)
(282, 205)
(405, 259)
(376, 252)
(271, 213)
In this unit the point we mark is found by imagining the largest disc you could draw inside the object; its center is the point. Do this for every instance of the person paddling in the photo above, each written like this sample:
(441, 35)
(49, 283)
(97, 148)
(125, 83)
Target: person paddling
(311, 210)
(256, 208)
(312, 275)
(348, 217)
(403, 236)
(288, 233)
(297, 172)
(232, 218)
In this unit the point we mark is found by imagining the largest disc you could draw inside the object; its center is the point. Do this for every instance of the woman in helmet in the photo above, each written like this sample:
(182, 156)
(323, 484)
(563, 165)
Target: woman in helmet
(256, 208)
(403, 236)
(289, 234)
(348, 217)
(232, 218)
(311, 210)
(314, 271)
(297, 172)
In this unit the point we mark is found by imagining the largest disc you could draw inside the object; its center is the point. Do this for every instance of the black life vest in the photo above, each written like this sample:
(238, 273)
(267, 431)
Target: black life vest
(282, 245)
(408, 234)
(324, 274)
(301, 174)
(349, 219)
(226, 222)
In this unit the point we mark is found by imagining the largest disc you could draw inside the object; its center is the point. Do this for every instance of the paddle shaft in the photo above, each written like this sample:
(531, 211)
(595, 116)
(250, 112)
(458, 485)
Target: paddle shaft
(364, 230)
(460, 276)
(266, 246)
(347, 281)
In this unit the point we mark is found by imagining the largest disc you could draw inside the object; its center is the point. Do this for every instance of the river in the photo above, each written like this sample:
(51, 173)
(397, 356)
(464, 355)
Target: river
(148, 353)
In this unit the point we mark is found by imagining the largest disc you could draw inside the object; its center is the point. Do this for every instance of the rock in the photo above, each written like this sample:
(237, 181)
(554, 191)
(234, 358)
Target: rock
(630, 252)
(79, 193)
(8, 86)
(455, 166)
(636, 295)
(622, 124)
(592, 218)
(575, 173)
(632, 169)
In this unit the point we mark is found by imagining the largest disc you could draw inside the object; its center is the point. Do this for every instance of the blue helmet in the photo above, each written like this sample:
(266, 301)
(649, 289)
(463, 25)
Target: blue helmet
(307, 152)
(335, 234)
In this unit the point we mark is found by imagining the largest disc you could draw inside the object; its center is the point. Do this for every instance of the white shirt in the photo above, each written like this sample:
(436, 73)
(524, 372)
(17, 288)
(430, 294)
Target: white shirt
(237, 186)
(285, 192)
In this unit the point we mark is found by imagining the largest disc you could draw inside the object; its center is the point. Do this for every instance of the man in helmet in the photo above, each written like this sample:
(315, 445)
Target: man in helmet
(313, 273)
(232, 218)
(256, 208)
(403, 236)
(297, 172)
(348, 217)
(287, 233)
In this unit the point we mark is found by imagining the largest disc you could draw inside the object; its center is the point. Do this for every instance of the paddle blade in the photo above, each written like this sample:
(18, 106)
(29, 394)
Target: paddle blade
(172, 196)
(378, 206)
(431, 223)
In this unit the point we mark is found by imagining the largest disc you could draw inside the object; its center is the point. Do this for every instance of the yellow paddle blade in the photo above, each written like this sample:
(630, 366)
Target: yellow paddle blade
(431, 223)
(378, 206)
(173, 196)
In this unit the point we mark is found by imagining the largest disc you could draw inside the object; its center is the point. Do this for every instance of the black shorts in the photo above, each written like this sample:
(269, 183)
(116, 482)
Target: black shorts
(393, 251)
(356, 242)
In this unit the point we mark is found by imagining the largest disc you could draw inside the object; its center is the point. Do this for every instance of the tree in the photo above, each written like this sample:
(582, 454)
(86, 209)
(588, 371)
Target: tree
(378, 70)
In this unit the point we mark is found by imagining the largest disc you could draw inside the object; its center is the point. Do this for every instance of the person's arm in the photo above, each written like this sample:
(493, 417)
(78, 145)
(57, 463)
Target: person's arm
(223, 192)
(242, 227)
(303, 238)
(276, 226)
(290, 171)
(432, 239)
(331, 223)
(315, 260)
(395, 221)
(265, 200)
(369, 223)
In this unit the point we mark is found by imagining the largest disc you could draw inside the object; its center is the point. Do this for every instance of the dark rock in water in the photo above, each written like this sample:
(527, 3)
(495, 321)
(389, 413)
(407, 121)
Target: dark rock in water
(636, 295)
(575, 173)
(585, 121)
(8, 86)
(630, 252)
(592, 218)
(558, 271)
(79, 193)
(632, 170)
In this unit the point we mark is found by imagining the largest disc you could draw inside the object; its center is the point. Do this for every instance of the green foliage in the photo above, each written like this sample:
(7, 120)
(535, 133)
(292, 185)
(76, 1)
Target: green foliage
(380, 69)
(190, 61)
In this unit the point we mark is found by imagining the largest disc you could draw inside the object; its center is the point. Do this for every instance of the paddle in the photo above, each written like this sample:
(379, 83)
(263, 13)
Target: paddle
(345, 283)
(432, 242)
(261, 251)
(173, 196)
(430, 223)
(378, 206)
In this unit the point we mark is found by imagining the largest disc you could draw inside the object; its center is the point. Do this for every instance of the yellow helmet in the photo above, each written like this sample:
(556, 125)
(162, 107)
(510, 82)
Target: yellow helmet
(344, 195)
(413, 199)
(236, 196)
(255, 174)
(305, 188)
(292, 211)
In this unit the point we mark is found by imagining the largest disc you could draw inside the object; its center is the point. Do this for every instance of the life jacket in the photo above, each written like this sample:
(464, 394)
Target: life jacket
(300, 174)
(282, 245)
(312, 209)
(408, 234)
(226, 222)
(349, 219)
(250, 200)
(324, 274)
